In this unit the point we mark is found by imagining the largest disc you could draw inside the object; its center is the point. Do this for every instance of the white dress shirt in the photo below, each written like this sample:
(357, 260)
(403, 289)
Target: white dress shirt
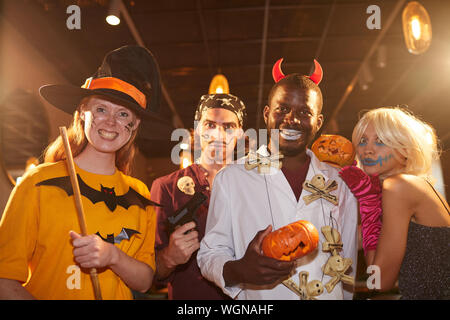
(244, 202)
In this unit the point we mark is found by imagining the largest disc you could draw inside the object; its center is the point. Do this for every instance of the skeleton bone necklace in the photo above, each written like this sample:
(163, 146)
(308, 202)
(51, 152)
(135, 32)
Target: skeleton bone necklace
(336, 266)
(305, 290)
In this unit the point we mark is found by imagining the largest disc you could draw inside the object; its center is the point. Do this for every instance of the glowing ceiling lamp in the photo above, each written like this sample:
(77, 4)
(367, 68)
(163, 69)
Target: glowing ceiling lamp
(416, 27)
(113, 17)
(219, 84)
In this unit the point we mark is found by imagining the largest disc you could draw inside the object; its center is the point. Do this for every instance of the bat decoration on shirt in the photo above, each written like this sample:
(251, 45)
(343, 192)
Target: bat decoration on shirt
(107, 195)
(125, 234)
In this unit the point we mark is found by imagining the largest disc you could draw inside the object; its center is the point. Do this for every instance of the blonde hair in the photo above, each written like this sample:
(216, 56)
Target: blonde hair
(410, 137)
(78, 141)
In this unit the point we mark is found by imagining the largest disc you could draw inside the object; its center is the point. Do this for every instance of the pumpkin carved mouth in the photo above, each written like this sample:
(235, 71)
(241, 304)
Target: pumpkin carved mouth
(297, 250)
(334, 149)
(292, 241)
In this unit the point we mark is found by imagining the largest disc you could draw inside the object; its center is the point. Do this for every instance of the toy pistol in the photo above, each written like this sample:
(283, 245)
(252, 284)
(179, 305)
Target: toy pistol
(186, 213)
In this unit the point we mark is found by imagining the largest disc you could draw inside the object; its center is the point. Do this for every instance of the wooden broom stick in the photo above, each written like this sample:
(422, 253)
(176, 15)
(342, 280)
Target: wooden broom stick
(79, 205)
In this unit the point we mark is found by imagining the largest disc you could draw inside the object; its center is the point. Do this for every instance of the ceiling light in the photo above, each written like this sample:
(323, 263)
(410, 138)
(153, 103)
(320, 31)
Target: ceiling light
(219, 84)
(113, 17)
(416, 28)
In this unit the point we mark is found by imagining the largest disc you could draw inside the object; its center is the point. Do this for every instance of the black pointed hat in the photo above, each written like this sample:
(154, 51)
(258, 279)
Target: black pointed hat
(129, 75)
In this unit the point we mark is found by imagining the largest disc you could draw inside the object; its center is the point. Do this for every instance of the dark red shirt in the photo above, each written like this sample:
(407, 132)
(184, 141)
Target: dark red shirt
(186, 281)
(296, 178)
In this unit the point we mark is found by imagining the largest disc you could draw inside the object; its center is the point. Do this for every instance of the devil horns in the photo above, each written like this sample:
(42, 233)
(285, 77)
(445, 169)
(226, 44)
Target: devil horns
(316, 77)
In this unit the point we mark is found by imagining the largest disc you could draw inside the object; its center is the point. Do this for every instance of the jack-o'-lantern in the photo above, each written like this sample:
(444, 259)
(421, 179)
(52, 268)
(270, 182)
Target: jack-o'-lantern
(292, 241)
(334, 149)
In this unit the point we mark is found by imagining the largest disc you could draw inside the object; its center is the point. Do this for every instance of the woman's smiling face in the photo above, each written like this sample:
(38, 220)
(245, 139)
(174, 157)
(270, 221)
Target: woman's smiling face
(108, 126)
(375, 156)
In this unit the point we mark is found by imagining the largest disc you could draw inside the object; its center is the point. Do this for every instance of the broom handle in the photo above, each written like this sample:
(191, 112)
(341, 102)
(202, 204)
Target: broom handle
(79, 205)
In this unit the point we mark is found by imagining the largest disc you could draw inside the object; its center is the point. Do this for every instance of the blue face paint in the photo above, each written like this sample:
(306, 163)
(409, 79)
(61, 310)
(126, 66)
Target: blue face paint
(370, 162)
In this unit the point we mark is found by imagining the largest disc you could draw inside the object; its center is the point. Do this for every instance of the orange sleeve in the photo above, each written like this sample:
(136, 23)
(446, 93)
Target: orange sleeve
(146, 253)
(18, 230)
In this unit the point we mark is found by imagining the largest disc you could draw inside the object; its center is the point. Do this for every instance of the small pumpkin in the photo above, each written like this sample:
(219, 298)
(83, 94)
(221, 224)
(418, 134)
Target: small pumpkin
(334, 149)
(292, 241)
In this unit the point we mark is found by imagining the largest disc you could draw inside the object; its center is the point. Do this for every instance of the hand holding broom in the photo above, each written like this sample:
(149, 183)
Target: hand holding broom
(79, 205)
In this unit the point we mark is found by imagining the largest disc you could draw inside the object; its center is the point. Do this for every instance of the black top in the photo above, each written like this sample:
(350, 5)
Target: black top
(425, 270)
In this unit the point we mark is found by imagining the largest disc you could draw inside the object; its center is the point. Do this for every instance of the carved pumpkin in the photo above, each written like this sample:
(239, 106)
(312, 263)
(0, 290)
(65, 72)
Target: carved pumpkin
(334, 149)
(292, 241)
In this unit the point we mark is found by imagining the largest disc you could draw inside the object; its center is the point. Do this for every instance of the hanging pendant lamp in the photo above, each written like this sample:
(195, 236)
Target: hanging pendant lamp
(416, 28)
(219, 84)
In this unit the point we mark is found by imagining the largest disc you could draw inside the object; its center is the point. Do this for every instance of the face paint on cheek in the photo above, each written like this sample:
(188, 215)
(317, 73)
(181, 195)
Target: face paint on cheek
(129, 127)
(386, 159)
(369, 162)
(362, 144)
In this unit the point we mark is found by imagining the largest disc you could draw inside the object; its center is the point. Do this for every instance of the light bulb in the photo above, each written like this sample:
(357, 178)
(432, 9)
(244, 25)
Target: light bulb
(113, 17)
(416, 28)
(219, 84)
(113, 20)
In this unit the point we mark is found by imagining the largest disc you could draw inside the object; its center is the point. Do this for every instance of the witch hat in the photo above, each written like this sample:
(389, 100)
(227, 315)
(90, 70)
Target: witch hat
(129, 75)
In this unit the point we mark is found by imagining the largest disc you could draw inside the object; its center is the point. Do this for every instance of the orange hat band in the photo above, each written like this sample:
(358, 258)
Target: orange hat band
(116, 84)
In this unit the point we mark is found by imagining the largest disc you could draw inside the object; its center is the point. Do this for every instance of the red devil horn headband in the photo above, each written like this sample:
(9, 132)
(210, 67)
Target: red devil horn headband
(316, 77)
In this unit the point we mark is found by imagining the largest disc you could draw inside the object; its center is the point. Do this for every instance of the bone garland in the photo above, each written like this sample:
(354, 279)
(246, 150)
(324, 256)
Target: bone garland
(320, 189)
(309, 290)
(306, 290)
(186, 185)
(262, 162)
(336, 266)
(333, 243)
(291, 285)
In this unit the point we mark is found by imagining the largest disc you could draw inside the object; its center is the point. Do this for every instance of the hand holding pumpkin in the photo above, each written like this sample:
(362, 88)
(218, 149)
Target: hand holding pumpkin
(292, 241)
(256, 268)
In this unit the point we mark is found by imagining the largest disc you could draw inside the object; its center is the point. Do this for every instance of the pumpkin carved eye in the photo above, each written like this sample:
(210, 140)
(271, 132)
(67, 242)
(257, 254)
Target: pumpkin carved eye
(334, 149)
(292, 241)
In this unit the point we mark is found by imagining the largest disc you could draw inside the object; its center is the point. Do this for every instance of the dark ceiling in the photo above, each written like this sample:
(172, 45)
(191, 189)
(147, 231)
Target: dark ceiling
(193, 40)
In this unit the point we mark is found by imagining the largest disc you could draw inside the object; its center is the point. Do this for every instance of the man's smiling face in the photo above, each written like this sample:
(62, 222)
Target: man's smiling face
(296, 113)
